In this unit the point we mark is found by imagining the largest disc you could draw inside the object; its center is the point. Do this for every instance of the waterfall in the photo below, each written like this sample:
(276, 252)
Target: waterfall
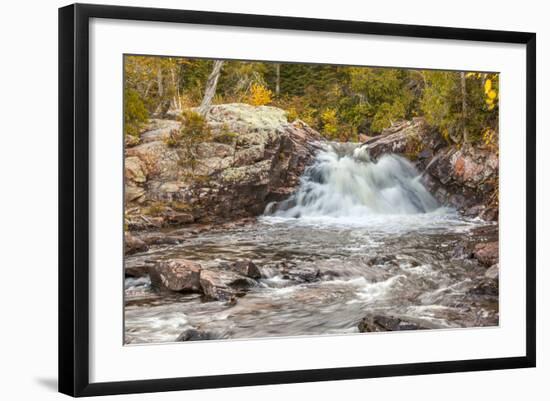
(344, 182)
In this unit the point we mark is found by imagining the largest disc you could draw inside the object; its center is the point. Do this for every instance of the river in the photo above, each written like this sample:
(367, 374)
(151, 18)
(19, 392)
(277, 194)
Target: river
(381, 244)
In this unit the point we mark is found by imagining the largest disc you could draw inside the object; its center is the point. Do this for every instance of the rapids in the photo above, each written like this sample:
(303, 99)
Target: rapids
(344, 183)
(381, 242)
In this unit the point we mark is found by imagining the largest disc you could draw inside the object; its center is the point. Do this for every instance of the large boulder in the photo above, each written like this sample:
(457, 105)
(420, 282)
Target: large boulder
(261, 162)
(485, 287)
(176, 275)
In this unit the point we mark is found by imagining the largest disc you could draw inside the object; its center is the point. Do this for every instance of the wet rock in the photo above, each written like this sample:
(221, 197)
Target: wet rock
(161, 238)
(462, 251)
(237, 223)
(378, 323)
(176, 275)
(490, 213)
(425, 154)
(331, 274)
(486, 287)
(474, 211)
(487, 253)
(492, 272)
(245, 267)
(133, 244)
(381, 260)
(221, 285)
(137, 267)
(301, 274)
(136, 271)
(194, 335)
(231, 302)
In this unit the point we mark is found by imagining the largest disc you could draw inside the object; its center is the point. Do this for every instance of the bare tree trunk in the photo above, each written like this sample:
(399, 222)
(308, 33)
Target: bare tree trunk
(159, 83)
(175, 83)
(148, 88)
(278, 79)
(464, 106)
(210, 89)
(160, 93)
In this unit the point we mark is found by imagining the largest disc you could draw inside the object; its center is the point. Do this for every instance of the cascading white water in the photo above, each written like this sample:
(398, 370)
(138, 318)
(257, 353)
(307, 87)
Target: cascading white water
(358, 237)
(345, 182)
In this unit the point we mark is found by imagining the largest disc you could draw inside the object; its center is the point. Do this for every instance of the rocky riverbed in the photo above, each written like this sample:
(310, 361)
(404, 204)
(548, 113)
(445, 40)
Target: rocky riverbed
(279, 233)
(286, 277)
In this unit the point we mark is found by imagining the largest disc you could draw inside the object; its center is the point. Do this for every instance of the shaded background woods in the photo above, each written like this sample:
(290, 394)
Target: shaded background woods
(343, 103)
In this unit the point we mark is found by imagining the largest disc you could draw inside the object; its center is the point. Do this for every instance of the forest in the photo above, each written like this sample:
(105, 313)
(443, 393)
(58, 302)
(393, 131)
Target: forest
(343, 103)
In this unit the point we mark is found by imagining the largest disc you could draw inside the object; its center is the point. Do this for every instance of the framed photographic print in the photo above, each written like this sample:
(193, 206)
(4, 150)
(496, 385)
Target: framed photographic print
(276, 199)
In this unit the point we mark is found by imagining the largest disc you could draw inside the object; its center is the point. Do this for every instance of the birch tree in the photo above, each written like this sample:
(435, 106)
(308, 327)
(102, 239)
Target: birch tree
(210, 89)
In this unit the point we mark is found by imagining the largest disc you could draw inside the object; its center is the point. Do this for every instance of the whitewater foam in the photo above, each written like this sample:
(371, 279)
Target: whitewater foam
(345, 183)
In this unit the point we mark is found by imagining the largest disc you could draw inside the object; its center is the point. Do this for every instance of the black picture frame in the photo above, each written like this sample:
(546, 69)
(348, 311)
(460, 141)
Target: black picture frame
(74, 198)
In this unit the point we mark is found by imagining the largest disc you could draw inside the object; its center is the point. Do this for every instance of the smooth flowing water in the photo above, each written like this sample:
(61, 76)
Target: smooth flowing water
(380, 241)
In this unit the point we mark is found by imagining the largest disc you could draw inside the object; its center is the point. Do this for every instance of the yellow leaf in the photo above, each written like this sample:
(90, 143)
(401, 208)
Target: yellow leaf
(488, 85)
(492, 94)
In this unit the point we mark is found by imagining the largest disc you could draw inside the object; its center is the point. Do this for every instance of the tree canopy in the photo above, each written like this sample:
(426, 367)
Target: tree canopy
(341, 102)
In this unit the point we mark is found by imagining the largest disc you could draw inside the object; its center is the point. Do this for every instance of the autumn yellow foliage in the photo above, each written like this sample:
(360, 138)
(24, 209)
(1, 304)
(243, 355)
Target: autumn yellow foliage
(330, 122)
(259, 95)
(491, 94)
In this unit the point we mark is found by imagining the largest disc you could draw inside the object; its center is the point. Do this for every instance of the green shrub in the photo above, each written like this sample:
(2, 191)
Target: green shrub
(135, 113)
(194, 130)
(227, 138)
